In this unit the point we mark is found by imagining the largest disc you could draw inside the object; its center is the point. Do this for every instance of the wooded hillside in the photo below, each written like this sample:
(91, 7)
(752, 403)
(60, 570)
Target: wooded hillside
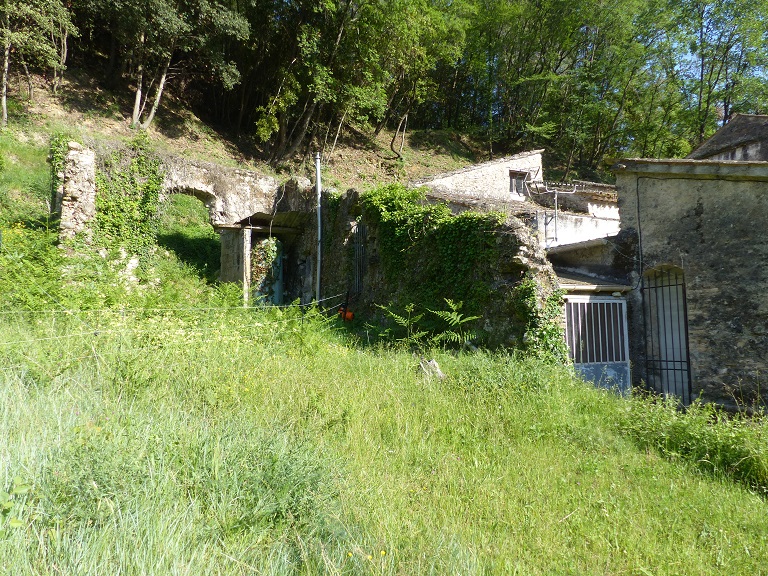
(587, 79)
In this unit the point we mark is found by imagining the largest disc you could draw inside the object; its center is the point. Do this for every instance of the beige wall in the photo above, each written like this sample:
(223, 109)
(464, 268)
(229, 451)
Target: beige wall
(488, 180)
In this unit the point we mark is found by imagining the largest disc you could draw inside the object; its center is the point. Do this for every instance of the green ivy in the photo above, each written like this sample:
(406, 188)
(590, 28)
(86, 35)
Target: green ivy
(263, 267)
(59, 145)
(430, 254)
(127, 198)
(543, 337)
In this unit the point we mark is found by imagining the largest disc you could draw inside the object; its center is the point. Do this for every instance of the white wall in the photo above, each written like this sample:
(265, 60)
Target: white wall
(572, 228)
(489, 180)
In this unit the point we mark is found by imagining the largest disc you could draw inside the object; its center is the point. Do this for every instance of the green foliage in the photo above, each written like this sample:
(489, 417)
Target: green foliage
(24, 183)
(256, 441)
(544, 336)
(446, 327)
(430, 254)
(733, 446)
(127, 193)
(263, 267)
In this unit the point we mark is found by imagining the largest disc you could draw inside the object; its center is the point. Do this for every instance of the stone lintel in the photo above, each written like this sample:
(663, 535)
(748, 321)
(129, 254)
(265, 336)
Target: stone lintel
(695, 169)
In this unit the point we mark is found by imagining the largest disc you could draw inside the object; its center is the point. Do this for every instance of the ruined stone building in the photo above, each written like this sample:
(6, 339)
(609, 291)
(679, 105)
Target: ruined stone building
(669, 296)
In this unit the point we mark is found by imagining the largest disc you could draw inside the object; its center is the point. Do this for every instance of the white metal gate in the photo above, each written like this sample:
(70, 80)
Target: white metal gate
(598, 343)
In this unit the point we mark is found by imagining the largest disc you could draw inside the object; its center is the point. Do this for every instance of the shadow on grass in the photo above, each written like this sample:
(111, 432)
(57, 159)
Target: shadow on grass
(442, 141)
(201, 254)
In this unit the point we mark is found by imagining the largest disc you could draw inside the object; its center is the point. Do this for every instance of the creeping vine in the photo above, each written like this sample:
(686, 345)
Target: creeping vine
(127, 198)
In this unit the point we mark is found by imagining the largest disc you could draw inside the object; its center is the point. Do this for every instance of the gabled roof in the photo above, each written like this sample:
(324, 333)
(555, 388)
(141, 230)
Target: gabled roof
(473, 167)
(743, 129)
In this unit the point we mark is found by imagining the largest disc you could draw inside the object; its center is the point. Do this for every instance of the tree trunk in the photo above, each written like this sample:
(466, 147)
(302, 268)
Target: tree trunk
(4, 89)
(302, 132)
(338, 131)
(30, 87)
(135, 117)
(58, 74)
(158, 95)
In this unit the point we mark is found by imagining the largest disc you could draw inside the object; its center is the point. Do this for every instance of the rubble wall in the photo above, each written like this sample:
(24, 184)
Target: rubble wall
(709, 220)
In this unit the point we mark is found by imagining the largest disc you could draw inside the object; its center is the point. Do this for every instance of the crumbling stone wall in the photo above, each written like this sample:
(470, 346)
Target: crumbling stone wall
(518, 253)
(75, 198)
(709, 219)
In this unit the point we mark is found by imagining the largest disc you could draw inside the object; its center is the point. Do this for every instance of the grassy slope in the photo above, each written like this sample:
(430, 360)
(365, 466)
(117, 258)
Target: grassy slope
(145, 448)
(234, 442)
(85, 110)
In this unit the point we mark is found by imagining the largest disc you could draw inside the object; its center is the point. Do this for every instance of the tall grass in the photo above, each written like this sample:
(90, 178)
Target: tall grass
(242, 441)
(150, 426)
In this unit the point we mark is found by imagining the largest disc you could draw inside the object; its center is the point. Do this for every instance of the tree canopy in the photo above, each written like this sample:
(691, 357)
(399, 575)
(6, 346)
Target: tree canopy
(587, 79)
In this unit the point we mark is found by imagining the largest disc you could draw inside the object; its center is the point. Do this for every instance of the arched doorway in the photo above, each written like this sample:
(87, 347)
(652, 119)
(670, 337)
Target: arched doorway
(666, 332)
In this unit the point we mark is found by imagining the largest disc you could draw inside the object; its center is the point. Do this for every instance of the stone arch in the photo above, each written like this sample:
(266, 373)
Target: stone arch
(209, 200)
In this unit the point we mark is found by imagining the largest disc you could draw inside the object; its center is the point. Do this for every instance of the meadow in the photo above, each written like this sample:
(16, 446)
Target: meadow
(152, 425)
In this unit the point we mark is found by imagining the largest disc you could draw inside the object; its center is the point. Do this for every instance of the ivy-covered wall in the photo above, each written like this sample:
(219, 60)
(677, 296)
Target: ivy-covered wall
(418, 253)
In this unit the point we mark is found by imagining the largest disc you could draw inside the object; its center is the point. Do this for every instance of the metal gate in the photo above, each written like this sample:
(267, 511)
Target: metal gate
(666, 332)
(598, 344)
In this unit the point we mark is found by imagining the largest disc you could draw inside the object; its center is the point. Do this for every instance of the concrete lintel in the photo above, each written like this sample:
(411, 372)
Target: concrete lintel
(696, 169)
(599, 288)
(259, 228)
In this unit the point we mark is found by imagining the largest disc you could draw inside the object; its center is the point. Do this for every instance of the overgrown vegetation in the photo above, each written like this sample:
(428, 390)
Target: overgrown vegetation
(543, 334)
(158, 427)
(152, 442)
(127, 197)
(429, 254)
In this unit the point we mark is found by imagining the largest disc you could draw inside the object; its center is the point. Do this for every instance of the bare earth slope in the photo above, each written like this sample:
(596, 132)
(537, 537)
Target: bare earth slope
(356, 158)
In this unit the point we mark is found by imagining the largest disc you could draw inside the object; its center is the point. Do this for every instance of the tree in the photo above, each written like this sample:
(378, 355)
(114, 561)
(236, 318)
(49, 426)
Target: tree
(28, 31)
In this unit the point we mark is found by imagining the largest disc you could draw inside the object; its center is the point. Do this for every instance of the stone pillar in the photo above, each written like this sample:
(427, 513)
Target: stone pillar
(236, 258)
(76, 196)
(245, 243)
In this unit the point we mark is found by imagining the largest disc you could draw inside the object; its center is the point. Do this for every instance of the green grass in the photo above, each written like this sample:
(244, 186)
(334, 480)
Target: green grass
(151, 426)
(25, 181)
(232, 442)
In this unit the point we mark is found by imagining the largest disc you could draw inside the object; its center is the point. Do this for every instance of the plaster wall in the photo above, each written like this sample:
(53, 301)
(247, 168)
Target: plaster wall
(488, 180)
(747, 152)
(709, 219)
(571, 228)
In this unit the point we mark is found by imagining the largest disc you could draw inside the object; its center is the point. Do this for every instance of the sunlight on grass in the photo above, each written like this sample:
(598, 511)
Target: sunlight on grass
(232, 441)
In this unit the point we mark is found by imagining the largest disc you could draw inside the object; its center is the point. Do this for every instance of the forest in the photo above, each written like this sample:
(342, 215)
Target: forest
(589, 80)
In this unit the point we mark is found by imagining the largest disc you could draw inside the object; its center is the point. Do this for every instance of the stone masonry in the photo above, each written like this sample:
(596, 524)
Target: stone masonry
(708, 219)
(75, 198)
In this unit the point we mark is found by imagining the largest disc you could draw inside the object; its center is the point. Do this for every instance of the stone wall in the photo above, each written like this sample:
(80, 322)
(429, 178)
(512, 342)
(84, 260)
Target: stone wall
(518, 253)
(230, 194)
(75, 199)
(487, 180)
(708, 219)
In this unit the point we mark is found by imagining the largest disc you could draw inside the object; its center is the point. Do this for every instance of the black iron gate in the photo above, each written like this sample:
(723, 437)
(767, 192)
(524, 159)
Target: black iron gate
(666, 332)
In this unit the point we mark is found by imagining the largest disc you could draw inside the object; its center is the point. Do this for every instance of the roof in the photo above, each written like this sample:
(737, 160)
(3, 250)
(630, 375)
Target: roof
(701, 169)
(743, 129)
(482, 203)
(473, 167)
(575, 282)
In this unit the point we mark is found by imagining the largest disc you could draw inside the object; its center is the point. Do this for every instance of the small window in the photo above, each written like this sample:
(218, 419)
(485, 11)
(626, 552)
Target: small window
(517, 182)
